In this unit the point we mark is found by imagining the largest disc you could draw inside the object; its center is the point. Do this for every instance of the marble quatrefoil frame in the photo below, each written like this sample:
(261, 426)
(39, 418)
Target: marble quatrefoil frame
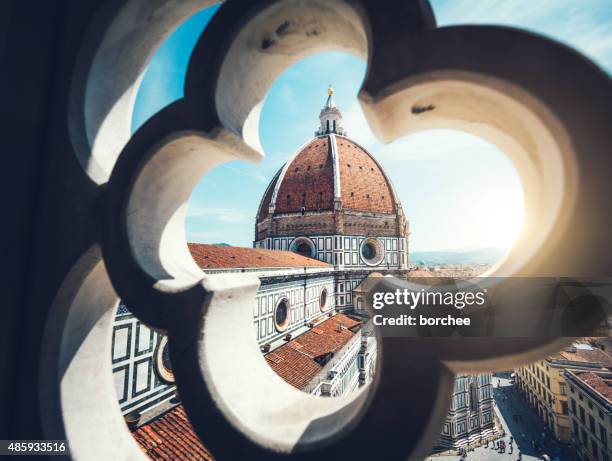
(545, 105)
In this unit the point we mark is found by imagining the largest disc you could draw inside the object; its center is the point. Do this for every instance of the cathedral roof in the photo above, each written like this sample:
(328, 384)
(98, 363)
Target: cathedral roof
(227, 257)
(328, 172)
(296, 362)
(328, 169)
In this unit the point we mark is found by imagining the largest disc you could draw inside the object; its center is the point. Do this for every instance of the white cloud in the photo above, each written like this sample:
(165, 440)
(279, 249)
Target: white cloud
(226, 215)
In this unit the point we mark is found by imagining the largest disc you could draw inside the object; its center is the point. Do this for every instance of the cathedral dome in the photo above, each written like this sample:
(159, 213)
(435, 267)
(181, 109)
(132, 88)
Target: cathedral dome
(330, 172)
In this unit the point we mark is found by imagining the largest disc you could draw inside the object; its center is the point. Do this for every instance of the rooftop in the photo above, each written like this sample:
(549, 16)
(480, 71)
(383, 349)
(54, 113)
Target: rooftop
(327, 171)
(171, 436)
(583, 353)
(598, 381)
(295, 361)
(227, 257)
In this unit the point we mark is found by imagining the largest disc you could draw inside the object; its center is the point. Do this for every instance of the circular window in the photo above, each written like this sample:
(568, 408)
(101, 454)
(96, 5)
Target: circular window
(303, 246)
(162, 361)
(372, 251)
(368, 251)
(281, 315)
(323, 300)
(303, 249)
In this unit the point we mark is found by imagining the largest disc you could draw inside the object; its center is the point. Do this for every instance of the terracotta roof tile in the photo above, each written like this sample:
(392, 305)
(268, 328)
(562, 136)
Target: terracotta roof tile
(593, 355)
(295, 361)
(363, 184)
(171, 437)
(600, 382)
(225, 257)
(309, 180)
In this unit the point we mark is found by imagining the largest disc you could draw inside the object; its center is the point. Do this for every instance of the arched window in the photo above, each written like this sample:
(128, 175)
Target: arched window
(328, 126)
(323, 300)
(473, 397)
(334, 125)
(303, 246)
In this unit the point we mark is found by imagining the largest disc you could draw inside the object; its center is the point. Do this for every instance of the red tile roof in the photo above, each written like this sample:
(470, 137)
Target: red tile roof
(593, 355)
(171, 437)
(226, 257)
(600, 382)
(295, 361)
(364, 186)
(308, 181)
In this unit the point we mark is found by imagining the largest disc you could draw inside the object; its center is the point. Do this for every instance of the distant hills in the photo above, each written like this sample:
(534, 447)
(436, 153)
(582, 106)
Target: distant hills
(467, 256)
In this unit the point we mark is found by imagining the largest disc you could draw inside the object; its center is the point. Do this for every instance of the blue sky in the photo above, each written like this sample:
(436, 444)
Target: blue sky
(439, 175)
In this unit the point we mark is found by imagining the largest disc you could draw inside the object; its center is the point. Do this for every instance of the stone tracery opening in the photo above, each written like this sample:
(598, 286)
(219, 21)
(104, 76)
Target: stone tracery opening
(436, 106)
(371, 251)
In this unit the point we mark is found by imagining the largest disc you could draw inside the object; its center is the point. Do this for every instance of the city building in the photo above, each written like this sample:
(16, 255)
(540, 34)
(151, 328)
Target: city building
(590, 396)
(294, 307)
(334, 202)
(544, 385)
(328, 221)
(471, 418)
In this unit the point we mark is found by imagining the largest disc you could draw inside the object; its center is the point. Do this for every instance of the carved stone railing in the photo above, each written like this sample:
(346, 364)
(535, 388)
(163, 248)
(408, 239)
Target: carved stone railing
(546, 106)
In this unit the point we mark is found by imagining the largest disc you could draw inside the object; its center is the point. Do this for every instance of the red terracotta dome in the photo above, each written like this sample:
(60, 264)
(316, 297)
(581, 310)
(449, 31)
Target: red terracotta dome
(327, 170)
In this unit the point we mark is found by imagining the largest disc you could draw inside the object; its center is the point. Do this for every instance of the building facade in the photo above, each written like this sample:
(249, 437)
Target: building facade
(332, 201)
(471, 418)
(544, 385)
(141, 364)
(590, 396)
(294, 301)
(328, 220)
